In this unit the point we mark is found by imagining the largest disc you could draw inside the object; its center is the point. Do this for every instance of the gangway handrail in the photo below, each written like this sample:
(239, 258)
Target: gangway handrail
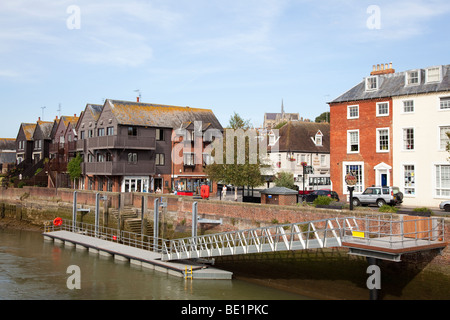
(324, 233)
(131, 239)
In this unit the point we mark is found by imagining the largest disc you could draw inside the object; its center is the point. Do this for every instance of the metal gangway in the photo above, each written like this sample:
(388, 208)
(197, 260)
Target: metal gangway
(378, 236)
(296, 236)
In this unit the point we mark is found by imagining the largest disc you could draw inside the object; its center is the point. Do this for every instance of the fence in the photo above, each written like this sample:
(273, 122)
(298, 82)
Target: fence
(109, 234)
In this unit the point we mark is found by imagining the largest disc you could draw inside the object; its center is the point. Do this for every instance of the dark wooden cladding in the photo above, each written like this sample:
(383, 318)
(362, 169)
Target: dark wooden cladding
(143, 167)
(121, 142)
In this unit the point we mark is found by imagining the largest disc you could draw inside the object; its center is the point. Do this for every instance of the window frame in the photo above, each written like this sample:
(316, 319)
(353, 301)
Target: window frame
(412, 181)
(370, 83)
(359, 187)
(427, 70)
(405, 140)
(379, 141)
(438, 181)
(349, 113)
(408, 78)
(440, 142)
(378, 109)
(160, 159)
(447, 100)
(349, 145)
(404, 106)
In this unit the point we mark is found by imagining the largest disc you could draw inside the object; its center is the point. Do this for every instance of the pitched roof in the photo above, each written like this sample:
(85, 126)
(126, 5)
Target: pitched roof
(95, 109)
(278, 190)
(7, 144)
(156, 115)
(393, 84)
(28, 130)
(297, 136)
(46, 128)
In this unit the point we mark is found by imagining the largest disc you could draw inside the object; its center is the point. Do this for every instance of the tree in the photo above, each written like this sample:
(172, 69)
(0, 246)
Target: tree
(285, 179)
(236, 122)
(74, 168)
(448, 143)
(324, 117)
(236, 174)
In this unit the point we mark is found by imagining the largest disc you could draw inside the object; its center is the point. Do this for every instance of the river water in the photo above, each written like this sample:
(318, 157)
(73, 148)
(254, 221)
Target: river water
(34, 269)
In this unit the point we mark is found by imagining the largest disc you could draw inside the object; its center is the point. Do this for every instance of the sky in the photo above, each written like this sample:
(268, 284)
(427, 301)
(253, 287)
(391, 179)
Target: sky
(243, 56)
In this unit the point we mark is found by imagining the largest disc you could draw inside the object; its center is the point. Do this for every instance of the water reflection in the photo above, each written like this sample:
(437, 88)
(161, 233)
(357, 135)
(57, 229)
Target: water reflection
(31, 268)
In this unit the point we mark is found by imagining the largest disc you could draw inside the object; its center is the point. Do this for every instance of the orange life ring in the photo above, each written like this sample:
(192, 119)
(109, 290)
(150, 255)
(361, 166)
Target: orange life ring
(57, 222)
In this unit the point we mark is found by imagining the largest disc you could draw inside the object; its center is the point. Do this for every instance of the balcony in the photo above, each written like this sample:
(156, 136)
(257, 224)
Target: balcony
(121, 142)
(120, 168)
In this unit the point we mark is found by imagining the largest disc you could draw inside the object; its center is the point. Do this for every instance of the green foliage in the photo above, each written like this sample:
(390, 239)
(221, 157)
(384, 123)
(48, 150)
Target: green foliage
(323, 200)
(324, 117)
(236, 122)
(280, 125)
(285, 179)
(387, 209)
(74, 167)
(422, 209)
(237, 174)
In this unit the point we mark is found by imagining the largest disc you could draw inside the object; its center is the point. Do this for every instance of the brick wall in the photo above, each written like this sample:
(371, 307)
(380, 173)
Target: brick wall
(367, 124)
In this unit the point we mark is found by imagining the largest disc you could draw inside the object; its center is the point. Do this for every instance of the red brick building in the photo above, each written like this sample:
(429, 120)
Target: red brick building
(361, 135)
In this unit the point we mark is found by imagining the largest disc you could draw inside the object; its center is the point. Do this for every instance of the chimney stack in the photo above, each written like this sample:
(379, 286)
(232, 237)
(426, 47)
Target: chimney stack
(137, 99)
(385, 68)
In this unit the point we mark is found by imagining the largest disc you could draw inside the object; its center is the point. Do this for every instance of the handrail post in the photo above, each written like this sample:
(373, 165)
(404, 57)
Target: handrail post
(155, 223)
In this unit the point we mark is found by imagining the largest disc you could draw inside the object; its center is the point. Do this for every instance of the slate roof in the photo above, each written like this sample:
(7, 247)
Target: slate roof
(393, 84)
(28, 129)
(162, 116)
(46, 128)
(295, 136)
(95, 109)
(7, 144)
(278, 190)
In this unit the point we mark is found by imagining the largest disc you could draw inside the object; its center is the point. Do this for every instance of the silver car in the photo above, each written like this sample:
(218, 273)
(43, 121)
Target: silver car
(379, 196)
(445, 205)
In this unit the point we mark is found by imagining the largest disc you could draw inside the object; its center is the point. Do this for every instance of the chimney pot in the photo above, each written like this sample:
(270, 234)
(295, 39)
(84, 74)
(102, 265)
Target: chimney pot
(137, 99)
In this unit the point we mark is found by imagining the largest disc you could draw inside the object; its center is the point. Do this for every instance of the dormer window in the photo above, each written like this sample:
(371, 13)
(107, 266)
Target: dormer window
(412, 77)
(372, 83)
(433, 74)
(318, 139)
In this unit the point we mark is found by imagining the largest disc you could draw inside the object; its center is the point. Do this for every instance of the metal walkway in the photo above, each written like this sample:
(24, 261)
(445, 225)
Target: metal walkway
(378, 236)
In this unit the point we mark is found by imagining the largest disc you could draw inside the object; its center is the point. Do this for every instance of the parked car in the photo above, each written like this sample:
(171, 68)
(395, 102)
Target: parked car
(379, 196)
(445, 205)
(324, 192)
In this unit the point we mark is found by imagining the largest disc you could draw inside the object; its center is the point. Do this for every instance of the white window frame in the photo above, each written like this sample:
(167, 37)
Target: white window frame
(378, 109)
(427, 70)
(359, 188)
(407, 78)
(405, 181)
(440, 148)
(378, 140)
(404, 106)
(349, 149)
(369, 83)
(438, 184)
(447, 99)
(349, 114)
(403, 139)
